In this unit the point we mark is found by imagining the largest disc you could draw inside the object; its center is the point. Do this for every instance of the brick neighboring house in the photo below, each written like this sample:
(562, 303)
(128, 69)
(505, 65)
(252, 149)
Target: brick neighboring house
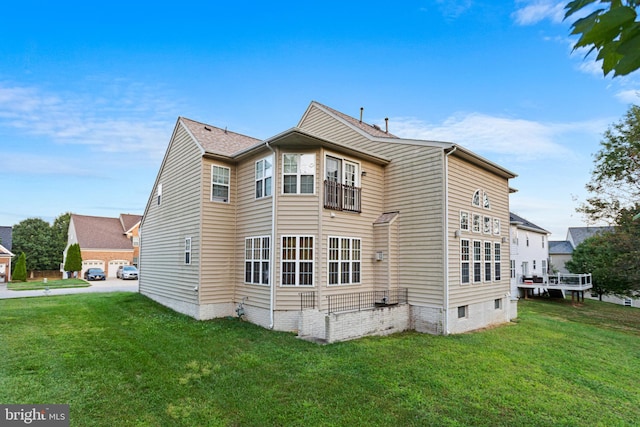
(5, 253)
(105, 242)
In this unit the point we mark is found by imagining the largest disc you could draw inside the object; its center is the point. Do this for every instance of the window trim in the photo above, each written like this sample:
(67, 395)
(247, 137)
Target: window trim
(463, 311)
(488, 263)
(261, 260)
(221, 184)
(296, 260)
(340, 262)
(188, 249)
(299, 173)
(159, 193)
(464, 214)
(477, 261)
(477, 229)
(497, 261)
(464, 261)
(487, 223)
(265, 189)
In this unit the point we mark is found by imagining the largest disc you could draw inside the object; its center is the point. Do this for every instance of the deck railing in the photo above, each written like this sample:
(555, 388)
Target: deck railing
(342, 197)
(307, 300)
(560, 280)
(359, 301)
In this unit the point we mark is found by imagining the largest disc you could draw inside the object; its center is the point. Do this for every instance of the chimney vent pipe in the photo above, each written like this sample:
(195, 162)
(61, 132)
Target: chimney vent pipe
(361, 110)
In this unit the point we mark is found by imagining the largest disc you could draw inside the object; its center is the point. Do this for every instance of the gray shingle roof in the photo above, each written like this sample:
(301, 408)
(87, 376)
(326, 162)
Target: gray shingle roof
(523, 223)
(218, 141)
(129, 221)
(562, 247)
(6, 234)
(577, 235)
(96, 232)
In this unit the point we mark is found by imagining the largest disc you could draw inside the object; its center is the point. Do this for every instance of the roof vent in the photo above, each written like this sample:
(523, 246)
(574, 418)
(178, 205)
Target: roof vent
(361, 110)
(386, 124)
(376, 127)
(207, 128)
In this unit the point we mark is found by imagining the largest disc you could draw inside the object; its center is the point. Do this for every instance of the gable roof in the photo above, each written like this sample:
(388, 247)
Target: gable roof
(4, 251)
(6, 235)
(129, 221)
(95, 232)
(374, 133)
(217, 141)
(577, 235)
(520, 222)
(562, 247)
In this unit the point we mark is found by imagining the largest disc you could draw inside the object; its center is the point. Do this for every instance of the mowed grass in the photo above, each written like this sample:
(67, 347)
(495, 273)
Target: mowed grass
(120, 359)
(50, 284)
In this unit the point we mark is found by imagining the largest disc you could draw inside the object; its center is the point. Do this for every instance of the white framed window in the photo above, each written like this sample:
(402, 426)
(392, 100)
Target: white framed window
(475, 201)
(534, 265)
(477, 261)
(497, 260)
(464, 221)
(135, 240)
(465, 259)
(486, 229)
(220, 184)
(344, 257)
(496, 226)
(264, 177)
(543, 265)
(187, 250)
(299, 173)
(488, 267)
(512, 268)
(257, 257)
(497, 304)
(476, 223)
(485, 201)
(543, 241)
(159, 193)
(297, 261)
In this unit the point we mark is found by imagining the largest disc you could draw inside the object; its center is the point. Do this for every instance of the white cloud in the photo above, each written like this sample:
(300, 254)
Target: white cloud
(124, 120)
(519, 139)
(533, 12)
(631, 96)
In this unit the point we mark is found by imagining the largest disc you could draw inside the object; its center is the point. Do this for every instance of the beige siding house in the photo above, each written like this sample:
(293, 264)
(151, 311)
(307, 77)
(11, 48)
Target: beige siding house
(335, 229)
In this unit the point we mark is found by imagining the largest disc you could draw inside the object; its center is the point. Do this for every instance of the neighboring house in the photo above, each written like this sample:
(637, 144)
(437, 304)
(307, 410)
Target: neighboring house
(6, 237)
(6, 233)
(5, 264)
(529, 253)
(561, 251)
(335, 229)
(104, 242)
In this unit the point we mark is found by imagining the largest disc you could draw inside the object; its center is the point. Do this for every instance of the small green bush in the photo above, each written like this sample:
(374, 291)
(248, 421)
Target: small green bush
(20, 270)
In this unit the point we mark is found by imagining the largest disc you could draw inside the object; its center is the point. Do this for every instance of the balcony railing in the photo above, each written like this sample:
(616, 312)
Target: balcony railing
(340, 197)
(359, 301)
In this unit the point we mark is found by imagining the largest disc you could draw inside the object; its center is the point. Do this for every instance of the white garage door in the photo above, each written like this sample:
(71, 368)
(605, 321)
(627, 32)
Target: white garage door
(92, 263)
(113, 266)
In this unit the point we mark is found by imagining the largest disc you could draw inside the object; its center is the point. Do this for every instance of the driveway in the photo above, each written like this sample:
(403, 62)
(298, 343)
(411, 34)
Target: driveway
(110, 285)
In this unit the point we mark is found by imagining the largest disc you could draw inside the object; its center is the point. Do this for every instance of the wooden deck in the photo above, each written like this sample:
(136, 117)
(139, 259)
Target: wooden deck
(558, 284)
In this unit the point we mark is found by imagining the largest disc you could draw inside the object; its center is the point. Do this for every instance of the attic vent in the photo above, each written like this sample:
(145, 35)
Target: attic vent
(207, 128)
(376, 127)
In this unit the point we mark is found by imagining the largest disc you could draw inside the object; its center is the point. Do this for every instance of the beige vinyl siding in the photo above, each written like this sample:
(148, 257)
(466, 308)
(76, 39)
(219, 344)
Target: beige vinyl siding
(162, 268)
(253, 220)
(218, 238)
(414, 185)
(464, 179)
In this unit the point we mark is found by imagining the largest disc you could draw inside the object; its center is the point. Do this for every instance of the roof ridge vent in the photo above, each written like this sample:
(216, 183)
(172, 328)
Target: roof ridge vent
(207, 128)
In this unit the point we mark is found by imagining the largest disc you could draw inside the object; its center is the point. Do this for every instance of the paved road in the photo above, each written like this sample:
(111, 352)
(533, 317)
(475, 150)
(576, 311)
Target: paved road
(109, 285)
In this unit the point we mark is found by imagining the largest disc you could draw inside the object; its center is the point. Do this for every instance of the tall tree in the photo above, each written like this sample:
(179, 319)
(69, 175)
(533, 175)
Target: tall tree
(20, 270)
(33, 237)
(615, 180)
(611, 29)
(73, 262)
(59, 233)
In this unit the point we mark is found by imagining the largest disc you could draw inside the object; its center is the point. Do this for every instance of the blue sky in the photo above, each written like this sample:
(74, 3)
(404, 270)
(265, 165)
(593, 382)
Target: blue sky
(90, 92)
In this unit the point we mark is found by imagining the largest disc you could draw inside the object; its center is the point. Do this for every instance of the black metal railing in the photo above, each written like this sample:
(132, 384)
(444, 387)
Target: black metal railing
(365, 300)
(307, 300)
(342, 197)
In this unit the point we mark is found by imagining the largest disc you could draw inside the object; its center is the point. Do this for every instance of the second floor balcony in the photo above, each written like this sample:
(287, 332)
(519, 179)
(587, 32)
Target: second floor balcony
(342, 197)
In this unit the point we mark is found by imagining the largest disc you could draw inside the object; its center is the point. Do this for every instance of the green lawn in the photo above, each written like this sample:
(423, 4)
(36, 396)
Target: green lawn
(121, 360)
(51, 284)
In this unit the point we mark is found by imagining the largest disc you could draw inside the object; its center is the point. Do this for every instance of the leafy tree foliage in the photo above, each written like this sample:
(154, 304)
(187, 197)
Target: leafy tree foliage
(611, 29)
(20, 270)
(41, 242)
(612, 258)
(73, 262)
(615, 180)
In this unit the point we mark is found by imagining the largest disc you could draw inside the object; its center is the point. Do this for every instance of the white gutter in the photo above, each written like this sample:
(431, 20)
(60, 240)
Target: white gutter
(445, 315)
(272, 267)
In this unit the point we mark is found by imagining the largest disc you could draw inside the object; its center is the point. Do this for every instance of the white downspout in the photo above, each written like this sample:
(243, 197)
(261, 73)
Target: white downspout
(445, 316)
(272, 267)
